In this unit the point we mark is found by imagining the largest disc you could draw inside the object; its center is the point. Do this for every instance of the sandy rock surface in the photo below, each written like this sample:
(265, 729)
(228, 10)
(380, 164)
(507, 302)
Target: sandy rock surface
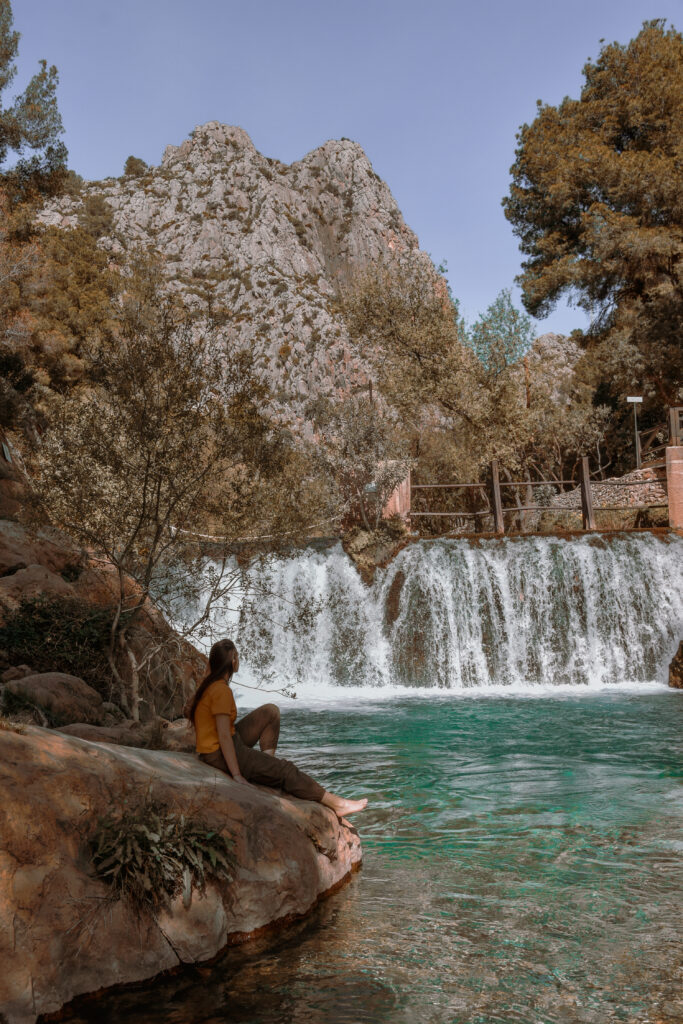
(61, 936)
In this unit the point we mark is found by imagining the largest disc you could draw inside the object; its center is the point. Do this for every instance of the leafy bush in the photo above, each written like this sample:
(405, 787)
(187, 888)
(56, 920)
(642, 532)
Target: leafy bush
(60, 634)
(15, 381)
(150, 854)
(97, 217)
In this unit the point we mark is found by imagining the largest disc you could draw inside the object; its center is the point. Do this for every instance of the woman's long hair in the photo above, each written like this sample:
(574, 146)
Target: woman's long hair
(221, 663)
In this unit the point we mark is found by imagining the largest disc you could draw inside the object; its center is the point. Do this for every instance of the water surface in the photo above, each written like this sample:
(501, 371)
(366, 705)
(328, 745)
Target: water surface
(522, 865)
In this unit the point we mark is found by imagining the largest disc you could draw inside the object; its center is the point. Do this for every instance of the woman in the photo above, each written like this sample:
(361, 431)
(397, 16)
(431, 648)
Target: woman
(230, 747)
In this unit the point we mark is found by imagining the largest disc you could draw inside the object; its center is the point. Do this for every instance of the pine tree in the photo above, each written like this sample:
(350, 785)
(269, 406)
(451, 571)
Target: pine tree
(30, 122)
(596, 203)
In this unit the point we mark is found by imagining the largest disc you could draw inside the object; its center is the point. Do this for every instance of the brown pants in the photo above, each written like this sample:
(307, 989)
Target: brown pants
(263, 725)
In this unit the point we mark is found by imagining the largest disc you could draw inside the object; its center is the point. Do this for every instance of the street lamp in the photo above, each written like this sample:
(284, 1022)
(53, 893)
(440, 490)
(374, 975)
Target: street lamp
(635, 402)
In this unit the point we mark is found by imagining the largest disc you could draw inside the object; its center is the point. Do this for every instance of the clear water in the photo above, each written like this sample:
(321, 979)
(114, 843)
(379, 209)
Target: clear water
(522, 864)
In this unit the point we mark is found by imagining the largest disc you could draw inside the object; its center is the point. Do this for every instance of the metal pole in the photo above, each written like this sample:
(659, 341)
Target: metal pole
(586, 496)
(498, 521)
(635, 425)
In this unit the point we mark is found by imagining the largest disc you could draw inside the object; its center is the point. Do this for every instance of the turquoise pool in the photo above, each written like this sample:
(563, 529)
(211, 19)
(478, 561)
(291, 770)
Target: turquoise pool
(523, 864)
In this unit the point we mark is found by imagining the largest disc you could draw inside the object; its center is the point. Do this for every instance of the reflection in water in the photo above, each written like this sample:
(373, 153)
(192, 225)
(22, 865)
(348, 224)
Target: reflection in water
(522, 865)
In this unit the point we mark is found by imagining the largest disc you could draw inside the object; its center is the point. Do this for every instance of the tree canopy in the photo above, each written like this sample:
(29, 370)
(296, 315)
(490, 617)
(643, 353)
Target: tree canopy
(467, 395)
(596, 201)
(31, 121)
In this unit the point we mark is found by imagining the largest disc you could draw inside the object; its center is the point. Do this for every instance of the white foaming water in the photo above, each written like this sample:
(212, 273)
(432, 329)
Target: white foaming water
(524, 616)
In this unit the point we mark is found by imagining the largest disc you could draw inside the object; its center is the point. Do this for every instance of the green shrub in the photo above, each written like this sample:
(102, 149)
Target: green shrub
(135, 167)
(150, 854)
(96, 217)
(60, 634)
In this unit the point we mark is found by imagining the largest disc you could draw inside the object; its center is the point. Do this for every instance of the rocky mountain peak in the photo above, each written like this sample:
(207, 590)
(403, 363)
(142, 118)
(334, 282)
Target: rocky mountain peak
(266, 243)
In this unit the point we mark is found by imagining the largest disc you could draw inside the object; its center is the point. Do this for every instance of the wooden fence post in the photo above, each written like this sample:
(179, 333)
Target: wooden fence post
(497, 504)
(586, 496)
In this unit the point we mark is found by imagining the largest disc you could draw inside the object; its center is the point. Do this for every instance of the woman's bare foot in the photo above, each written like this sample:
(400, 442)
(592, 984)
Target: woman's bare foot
(342, 807)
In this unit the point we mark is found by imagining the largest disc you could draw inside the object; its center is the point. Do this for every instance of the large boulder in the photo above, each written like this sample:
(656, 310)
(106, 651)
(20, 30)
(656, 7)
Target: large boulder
(61, 934)
(32, 581)
(375, 549)
(676, 669)
(20, 548)
(157, 734)
(46, 564)
(126, 734)
(62, 698)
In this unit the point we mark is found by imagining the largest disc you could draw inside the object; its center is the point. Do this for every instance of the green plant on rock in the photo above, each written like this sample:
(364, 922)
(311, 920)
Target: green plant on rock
(149, 854)
(135, 167)
(97, 217)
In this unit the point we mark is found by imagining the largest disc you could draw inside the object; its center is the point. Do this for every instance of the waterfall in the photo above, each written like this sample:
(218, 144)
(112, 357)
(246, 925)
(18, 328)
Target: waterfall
(526, 612)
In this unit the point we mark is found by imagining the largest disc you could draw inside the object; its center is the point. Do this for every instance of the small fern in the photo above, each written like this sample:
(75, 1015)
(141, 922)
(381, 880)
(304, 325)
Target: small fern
(150, 854)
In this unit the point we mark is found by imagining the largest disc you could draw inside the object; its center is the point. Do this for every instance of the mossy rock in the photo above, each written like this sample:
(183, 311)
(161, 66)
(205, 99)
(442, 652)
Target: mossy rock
(370, 550)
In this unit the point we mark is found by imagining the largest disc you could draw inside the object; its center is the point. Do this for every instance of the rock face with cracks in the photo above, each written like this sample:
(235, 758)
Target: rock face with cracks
(46, 564)
(60, 934)
(264, 244)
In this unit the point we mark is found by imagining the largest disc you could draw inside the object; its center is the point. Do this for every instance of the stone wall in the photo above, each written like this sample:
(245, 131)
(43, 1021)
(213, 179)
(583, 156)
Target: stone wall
(674, 472)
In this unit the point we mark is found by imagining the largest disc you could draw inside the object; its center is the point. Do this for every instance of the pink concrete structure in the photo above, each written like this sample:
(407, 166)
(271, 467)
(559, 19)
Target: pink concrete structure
(399, 502)
(674, 482)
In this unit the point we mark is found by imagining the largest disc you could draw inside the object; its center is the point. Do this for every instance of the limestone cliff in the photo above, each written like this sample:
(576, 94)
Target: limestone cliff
(264, 244)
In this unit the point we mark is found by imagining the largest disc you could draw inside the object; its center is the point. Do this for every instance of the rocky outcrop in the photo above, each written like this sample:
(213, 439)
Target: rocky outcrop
(158, 734)
(375, 549)
(46, 564)
(676, 669)
(263, 243)
(63, 698)
(61, 934)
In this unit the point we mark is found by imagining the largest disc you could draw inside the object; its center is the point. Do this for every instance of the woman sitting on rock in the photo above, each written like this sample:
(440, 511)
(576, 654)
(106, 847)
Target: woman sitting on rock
(230, 747)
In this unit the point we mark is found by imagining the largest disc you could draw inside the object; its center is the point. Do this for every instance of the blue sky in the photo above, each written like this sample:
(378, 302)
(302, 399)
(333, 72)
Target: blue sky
(433, 90)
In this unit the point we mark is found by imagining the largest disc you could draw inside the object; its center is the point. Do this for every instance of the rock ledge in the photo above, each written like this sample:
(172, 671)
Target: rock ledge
(60, 936)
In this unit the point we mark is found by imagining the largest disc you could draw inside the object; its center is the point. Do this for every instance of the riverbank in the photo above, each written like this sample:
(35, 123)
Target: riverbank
(63, 934)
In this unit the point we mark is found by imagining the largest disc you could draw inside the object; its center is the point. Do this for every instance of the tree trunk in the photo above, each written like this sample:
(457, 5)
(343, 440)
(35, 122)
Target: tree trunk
(363, 513)
(134, 679)
(528, 500)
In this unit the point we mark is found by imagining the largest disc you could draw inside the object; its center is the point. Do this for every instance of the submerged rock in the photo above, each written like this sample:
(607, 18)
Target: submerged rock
(61, 934)
(676, 669)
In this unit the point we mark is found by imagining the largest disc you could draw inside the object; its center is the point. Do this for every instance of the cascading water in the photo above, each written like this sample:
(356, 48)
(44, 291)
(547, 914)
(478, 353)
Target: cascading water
(459, 614)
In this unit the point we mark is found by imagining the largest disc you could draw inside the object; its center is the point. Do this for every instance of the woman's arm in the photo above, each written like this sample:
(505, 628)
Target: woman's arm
(228, 747)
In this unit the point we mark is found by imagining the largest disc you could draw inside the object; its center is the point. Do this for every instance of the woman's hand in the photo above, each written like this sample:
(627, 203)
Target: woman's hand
(223, 727)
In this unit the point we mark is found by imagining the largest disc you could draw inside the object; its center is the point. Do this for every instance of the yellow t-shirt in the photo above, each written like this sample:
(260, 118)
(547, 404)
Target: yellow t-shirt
(218, 700)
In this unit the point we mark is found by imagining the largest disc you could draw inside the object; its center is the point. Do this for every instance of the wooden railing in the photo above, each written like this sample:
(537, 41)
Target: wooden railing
(491, 491)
